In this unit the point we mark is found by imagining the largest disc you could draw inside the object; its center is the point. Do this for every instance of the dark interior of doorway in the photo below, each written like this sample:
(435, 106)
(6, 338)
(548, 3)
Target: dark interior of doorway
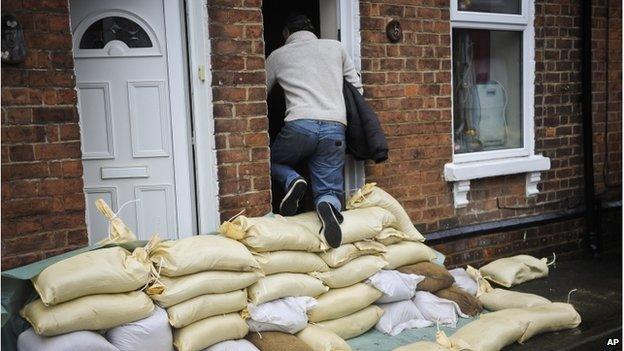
(274, 13)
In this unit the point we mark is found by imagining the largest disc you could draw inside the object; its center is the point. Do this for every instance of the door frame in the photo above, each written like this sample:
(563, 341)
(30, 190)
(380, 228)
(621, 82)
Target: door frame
(203, 137)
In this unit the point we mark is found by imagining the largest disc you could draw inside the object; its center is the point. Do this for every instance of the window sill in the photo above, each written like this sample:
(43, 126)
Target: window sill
(461, 174)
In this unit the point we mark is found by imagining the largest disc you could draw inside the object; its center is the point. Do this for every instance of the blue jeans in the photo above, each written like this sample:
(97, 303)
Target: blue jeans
(323, 144)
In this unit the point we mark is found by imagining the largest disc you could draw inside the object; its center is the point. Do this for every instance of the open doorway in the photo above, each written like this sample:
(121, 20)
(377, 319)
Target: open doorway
(324, 16)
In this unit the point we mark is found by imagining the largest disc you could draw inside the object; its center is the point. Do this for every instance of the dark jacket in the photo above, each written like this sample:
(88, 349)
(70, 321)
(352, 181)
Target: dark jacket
(365, 138)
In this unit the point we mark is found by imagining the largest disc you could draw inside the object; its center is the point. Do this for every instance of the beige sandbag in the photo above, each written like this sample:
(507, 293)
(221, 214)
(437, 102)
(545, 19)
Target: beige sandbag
(500, 299)
(273, 233)
(370, 195)
(491, 334)
(543, 318)
(406, 253)
(202, 253)
(322, 339)
(347, 252)
(353, 272)
(483, 286)
(104, 271)
(209, 331)
(93, 312)
(354, 324)
(290, 262)
(284, 284)
(337, 303)
(205, 306)
(389, 236)
(510, 271)
(422, 346)
(358, 224)
(179, 289)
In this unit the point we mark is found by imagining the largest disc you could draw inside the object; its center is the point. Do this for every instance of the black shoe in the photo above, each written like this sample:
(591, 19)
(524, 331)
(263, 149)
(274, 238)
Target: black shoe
(290, 202)
(330, 225)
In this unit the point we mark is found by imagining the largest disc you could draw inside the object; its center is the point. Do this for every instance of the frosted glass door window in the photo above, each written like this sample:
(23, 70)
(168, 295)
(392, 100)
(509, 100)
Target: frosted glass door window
(487, 90)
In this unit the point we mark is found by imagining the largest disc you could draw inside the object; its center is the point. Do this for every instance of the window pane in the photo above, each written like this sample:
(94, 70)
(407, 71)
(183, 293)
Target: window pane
(115, 28)
(494, 6)
(487, 90)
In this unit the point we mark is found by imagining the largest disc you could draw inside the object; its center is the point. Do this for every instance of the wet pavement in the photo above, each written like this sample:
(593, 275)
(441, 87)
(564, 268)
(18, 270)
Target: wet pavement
(598, 299)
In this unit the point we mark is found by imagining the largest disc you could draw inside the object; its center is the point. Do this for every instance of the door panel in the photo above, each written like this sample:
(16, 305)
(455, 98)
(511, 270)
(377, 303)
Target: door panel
(125, 106)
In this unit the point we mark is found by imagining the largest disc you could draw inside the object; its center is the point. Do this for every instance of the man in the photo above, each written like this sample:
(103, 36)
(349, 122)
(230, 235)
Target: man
(311, 72)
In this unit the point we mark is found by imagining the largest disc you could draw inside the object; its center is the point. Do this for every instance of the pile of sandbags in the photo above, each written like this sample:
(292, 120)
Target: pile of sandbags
(93, 291)
(202, 285)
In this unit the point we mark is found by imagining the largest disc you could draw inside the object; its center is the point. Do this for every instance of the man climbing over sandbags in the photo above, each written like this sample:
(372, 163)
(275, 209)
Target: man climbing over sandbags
(311, 72)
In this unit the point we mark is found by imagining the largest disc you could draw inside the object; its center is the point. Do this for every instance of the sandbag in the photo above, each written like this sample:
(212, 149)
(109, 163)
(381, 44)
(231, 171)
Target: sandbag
(483, 286)
(371, 195)
(279, 285)
(436, 276)
(514, 270)
(543, 318)
(353, 272)
(78, 340)
(467, 303)
(233, 345)
(358, 224)
(341, 302)
(288, 315)
(406, 253)
(204, 306)
(347, 252)
(290, 262)
(322, 339)
(186, 287)
(93, 312)
(500, 299)
(489, 334)
(394, 285)
(149, 334)
(389, 236)
(437, 310)
(464, 281)
(209, 331)
(104, 271)
(399, 316)
(276, 341)
(202, 253)
(422, 346)
(273, 233)
(355, 324)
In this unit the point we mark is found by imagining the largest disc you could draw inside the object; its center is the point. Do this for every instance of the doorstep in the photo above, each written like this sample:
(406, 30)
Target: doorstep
(598, 300)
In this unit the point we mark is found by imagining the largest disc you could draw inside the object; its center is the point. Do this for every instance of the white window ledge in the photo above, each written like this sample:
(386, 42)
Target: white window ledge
(462, 173)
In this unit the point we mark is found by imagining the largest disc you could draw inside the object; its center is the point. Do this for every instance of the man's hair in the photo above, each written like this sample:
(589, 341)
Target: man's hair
(297, 21)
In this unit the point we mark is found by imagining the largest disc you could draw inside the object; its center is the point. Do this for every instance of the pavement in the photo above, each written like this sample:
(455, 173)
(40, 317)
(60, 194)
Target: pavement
(598, 299)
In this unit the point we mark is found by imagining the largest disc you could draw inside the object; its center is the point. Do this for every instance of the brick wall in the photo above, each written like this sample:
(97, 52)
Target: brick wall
(42, 199)
(239, 98)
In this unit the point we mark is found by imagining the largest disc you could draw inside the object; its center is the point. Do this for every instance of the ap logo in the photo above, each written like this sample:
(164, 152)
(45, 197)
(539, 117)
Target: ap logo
(613, 342)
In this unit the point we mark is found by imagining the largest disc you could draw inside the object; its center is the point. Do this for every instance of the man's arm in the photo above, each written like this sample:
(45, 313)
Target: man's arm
(349, 72)
(270, 72)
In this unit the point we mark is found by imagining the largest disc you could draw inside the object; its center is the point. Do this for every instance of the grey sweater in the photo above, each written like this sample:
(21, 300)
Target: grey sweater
(311, 70)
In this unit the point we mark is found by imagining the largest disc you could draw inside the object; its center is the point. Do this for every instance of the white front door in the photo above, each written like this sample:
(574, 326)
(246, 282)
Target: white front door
(134, 114)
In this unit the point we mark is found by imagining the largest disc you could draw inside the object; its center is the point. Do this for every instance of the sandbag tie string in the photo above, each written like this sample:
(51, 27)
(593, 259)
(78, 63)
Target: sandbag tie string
(570, 294)
(115, 215)
(553, 260)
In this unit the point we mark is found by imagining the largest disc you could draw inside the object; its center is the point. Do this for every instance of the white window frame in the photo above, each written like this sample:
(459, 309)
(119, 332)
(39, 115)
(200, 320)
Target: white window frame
(482, 164)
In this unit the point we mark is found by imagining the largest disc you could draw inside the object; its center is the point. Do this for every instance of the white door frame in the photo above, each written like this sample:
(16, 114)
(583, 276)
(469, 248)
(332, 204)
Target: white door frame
(203, 139)
(349, 24)
(182, 161)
